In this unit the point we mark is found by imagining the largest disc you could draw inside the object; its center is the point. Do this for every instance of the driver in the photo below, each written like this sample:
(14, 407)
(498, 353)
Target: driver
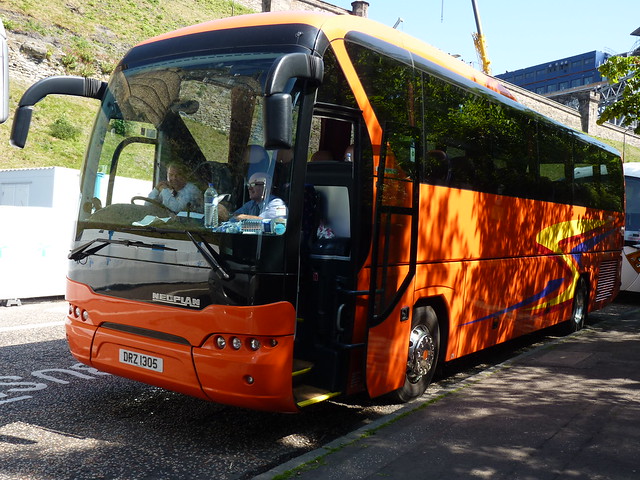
(176, 193)
(261, 204)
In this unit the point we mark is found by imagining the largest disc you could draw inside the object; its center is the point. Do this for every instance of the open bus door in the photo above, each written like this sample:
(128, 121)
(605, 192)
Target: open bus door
(4, 75)
(393, 264)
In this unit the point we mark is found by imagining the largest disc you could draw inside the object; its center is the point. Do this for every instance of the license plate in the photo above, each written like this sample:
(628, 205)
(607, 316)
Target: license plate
(141, 360)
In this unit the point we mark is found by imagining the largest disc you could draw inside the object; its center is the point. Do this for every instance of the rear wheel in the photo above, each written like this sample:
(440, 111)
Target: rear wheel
(424, 349)
(580, 305)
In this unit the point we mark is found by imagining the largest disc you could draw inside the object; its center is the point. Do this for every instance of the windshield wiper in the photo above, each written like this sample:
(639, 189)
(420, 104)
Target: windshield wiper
(83, 251)
(212, 257)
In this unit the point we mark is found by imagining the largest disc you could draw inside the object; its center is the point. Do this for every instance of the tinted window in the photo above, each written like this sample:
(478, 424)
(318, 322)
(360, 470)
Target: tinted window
(554, 159)
(396, 97)
(633, 204)
(598, 178)
(474, 141)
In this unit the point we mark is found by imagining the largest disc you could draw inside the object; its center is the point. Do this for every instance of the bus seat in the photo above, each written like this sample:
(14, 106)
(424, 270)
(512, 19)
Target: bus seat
(322, 156)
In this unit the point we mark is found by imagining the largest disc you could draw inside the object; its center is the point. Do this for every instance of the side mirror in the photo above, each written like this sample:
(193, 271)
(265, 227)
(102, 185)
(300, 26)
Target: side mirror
(278, 121)
(278, 106)
(77, 86)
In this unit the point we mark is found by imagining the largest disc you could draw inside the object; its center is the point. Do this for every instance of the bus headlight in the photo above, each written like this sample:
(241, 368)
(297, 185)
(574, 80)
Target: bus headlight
(236, 343)
(220, 342)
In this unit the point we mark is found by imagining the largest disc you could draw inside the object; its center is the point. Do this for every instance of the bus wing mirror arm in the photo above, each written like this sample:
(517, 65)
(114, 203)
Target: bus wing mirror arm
(60, 85)
(278, 106)
(293, 65)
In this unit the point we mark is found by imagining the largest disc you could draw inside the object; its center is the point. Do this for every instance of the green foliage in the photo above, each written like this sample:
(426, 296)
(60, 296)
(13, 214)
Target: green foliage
(617, 69)
(122, 127)
(629, 152)
(64, 129)
(43, 149)
(10, 25)
(107, 67)
(83, 49)
(93, 34)
(87, 71)
(36, 27)
(69, 61)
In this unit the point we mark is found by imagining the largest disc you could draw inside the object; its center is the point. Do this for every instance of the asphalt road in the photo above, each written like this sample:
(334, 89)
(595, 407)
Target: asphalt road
(62, 420)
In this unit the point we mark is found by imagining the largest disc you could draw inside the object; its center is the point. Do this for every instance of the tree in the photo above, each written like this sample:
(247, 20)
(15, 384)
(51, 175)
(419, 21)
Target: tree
(618, 69)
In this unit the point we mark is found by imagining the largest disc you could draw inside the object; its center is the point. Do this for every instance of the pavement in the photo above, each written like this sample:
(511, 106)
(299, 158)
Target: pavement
(569, 409)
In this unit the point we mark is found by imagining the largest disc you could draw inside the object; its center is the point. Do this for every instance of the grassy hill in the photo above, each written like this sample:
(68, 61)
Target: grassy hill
(82, 37)
(87, 37)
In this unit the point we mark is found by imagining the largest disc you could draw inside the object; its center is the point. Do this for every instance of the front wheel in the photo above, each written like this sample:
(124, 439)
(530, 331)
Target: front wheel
(424, 349)
(580, 307)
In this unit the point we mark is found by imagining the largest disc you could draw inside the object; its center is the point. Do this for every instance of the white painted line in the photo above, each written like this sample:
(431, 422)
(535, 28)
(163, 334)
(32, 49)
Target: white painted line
(30, 326)
(16, 399)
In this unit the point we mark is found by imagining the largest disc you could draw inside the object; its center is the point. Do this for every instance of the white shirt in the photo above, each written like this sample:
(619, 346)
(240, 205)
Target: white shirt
(187, 199)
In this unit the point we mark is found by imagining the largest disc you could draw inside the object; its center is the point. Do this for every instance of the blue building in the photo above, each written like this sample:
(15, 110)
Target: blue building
(569, 73)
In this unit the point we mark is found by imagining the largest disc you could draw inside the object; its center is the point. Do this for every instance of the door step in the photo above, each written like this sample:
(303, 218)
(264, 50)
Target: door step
(306, 395)
(300, 367)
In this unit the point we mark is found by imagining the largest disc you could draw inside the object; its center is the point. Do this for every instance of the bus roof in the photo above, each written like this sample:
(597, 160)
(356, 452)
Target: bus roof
(337, 27)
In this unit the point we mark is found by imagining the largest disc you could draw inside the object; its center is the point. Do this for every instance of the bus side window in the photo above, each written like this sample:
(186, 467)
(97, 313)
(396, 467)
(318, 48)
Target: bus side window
(334, 228)
(436, 168)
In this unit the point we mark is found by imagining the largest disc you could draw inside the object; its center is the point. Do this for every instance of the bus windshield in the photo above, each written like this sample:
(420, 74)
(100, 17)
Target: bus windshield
(166, 133)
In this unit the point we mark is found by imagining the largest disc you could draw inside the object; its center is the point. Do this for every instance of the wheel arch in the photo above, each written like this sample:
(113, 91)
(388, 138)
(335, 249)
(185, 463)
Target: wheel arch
(441, 308)
(588, 278)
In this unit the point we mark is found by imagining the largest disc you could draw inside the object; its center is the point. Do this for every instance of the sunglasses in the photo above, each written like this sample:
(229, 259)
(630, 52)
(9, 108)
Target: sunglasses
(255, 184)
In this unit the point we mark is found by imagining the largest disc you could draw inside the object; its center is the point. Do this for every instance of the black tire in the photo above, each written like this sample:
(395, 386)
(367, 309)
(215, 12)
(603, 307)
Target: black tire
(580, 307)
(422, 360)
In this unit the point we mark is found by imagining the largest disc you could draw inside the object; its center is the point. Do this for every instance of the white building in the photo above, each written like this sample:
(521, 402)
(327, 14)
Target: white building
(37, 209)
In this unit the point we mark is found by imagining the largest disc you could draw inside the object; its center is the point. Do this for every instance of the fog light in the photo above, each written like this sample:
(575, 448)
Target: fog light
(254, 344)
(249, 379)
(85, 315)
(236, 343)
(273, 342)
(221, 342)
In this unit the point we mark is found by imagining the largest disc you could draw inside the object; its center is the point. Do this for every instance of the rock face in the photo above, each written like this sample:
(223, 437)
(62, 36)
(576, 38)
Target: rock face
(35, 49)
(31, 59)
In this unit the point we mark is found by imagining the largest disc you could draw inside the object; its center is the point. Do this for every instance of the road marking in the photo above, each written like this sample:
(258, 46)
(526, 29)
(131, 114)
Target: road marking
(16, 399)
(30, 326)
(13, 383)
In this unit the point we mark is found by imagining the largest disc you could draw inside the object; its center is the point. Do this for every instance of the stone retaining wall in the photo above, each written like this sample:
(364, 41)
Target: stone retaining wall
(583, 119)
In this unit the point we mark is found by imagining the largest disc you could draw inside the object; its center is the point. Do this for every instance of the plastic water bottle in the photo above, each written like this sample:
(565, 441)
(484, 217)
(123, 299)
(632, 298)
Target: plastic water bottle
(210, 210)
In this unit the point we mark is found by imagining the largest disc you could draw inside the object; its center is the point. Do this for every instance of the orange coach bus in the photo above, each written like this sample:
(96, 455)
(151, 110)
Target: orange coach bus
(407, 211)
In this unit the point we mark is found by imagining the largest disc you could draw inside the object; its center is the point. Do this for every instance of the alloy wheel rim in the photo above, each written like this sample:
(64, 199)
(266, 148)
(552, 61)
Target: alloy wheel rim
(421, 353)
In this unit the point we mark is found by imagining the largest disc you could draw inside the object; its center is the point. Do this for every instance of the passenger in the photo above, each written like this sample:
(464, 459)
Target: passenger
(177, 193)
(260, 205)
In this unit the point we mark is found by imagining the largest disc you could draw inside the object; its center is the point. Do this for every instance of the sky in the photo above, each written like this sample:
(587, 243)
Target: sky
(517, 33)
